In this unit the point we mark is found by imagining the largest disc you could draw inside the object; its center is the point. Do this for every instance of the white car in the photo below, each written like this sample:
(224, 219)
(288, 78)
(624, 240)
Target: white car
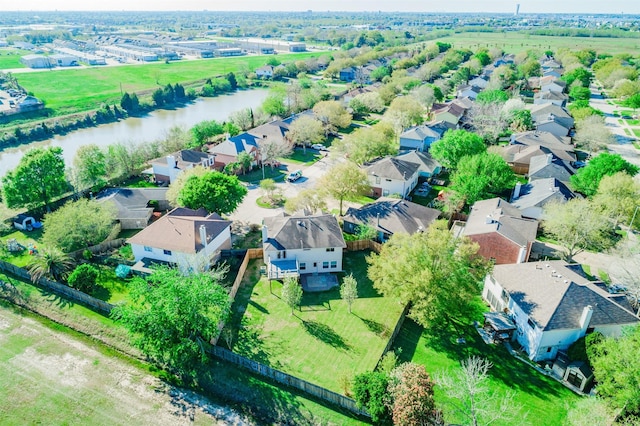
(319, 147)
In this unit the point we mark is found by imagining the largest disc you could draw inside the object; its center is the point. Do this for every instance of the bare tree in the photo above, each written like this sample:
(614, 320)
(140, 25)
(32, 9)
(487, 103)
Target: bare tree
(271, 150)
(488, 119)
(592, 134)
(625, 270)
(470, 396)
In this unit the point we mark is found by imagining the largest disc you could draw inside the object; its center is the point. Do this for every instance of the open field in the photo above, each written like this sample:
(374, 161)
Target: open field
(10, 58)
(544, 400)
(50, 377)
(322, 342)
(514, 42)
(68, 91)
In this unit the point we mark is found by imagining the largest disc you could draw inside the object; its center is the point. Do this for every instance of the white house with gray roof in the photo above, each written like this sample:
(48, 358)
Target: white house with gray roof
(391, 175)
(553, 304)
(427, 165)
(296, 245)
(166, 169)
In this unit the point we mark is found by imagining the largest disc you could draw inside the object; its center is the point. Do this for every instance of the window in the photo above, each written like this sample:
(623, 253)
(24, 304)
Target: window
(167, 252)
(505, 296)
(147, 248)
(531, 323)
(331, 249)
(334, 264)
(388, 180)
(284, 254)
(377, 179)
(325, 265)
(385, 192)
(549, 349)
(303, 266)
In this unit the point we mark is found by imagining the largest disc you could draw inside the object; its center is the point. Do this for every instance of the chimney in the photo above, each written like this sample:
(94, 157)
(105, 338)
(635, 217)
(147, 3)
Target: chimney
(264, 234)
(171, 161)
(203, 235)
(549, 158)
(585, 319)
(488, 220)
(516, 191)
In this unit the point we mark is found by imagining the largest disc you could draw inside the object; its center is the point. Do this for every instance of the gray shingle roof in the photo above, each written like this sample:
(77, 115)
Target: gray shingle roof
(419, 133)
(391, 216)
(425, 162)
(393, 168)
(539, 192)
(548, 166)
(496, 215)
(298, 232)
(554, 295)
(131, 203)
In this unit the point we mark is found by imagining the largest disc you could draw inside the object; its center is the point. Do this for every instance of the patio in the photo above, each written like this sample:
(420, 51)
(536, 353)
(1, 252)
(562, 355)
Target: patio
(318, 282)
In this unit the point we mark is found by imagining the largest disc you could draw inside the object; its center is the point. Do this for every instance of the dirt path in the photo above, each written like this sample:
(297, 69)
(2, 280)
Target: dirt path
(49, 377)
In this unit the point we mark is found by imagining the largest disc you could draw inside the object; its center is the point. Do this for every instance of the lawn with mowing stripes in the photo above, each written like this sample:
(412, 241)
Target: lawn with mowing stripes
(322, 342)
(69, 91)
(544, 400)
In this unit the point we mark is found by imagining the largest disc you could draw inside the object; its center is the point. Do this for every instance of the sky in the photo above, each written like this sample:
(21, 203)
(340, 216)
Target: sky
(496, 6)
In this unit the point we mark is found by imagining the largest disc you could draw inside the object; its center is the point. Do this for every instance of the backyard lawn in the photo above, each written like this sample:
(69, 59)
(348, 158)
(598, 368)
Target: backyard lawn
(321, 343)
(544, 400)
(25, 239)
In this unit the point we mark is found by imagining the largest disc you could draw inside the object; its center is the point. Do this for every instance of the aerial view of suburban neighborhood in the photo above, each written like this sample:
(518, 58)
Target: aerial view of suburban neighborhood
(272, 214)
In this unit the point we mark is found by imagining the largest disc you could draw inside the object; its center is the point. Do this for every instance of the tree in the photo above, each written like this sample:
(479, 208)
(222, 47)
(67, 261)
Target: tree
(311, 200)
(274, 105)
(482, 176)
(367, 143)
(580, 93)
(204, 130)
(424, 94)
(171, 317)
(244, 159)
(332, 115)
(272, 149)
(520, 120)
(213, 191)
(492, 96)
(38, 178)
(576, 225)
(590, 411)
(470, 396)
(366, 103)
(349, 290)
(90, 166)
(370, 392)
(632, 101)
(84, 278)
(411, 392)
(270, 189)
(343, 181)
(404, 112)
(243, 118)
(616, 367)
(488, 120)
(79, 224)
(454, 145)
(306, 131)
(176, 186)
(158, 97)
(291, 292)
(441, 275)
(50, 262)
(617, 197)
(587, 179)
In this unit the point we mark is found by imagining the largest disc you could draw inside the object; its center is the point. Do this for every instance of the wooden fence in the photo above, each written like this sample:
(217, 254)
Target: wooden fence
(61, 289)
(100, 248)
(394, 334)
(364, 245)
(289, 380)
(250, 254)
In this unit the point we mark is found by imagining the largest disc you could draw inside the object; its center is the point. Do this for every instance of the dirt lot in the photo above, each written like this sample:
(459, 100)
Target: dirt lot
(49, 377)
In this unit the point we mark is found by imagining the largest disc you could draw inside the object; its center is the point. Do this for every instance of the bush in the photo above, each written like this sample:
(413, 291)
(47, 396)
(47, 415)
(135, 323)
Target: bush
(84, 278)
(87, 255)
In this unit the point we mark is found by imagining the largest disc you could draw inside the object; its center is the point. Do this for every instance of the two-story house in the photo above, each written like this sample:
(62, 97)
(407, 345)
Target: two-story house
(166, 169)
(391, 175)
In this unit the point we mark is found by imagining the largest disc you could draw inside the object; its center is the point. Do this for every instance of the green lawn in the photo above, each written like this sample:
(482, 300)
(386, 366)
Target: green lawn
(69, 91)
(25, 239)
(10, 58)
(255, 176)
(320, 343)
(545, 401)
(301, 156)
(636, 132)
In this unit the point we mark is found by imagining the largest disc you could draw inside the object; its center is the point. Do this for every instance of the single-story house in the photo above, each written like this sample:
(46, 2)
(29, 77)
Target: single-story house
(450, 112)
(389, 216)
(418, 138)
(556, 86)
(296, 245)
(553, 304)
(550, 96)
(550, 63)
(135, 206)
(391, 175)
(551, 72)
(468, 91)
(530, 198)
(501, 231)
(480, 82)
(166, 169)
(267, 71)
(190, 239)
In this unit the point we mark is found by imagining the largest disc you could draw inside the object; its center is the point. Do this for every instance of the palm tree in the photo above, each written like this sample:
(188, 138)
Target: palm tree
(50, 262)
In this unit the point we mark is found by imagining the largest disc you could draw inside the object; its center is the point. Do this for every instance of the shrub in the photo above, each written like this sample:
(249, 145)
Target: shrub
(83, 278)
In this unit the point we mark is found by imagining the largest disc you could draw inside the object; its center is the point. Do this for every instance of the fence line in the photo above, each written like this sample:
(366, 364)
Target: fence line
(394, 334)
(102, 247)
(289, 380)
(364, 245)
(61, 289)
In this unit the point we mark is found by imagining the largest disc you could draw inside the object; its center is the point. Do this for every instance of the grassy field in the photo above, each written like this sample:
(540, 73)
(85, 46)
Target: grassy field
(322, 342)
(514, 42)
(68, 91)
(10, 58)
(25, 239)
(544, 400)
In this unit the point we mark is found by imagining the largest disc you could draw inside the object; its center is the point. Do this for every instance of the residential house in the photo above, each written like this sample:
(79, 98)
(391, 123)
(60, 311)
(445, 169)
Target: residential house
(190, 239)
(228, 151)
(348, 96)
(551, 96)
(556, 85)
(418, 138)
(518, 157)
(347, 74)
(267, 71)
(503, 234)
(468, 91)
(451, 112)
(389, 216)
(550, 166)
(552, 118)
(552, 72)
(546, 139)
(427, 166)
(553, 304)
(479, 81)
(135, 206)
(531, 198)
(550, 64)
(296, 245)
(166, 169)
(391, 175)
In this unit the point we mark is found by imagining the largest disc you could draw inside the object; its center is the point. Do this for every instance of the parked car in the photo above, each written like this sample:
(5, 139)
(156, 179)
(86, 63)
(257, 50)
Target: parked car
(319, 147)
(294, 176)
